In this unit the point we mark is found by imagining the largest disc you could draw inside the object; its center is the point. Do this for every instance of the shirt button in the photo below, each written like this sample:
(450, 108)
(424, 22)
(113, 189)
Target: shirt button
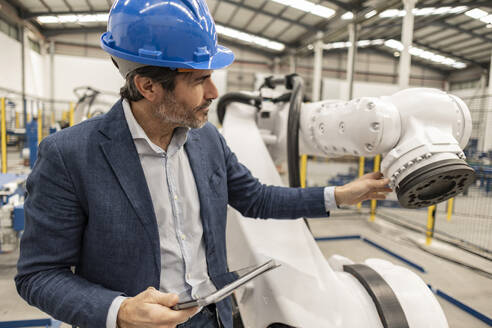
(175, 197)
(183, 237)
(188, 276)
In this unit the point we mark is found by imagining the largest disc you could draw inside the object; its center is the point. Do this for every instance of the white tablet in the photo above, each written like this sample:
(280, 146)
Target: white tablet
(243, 276)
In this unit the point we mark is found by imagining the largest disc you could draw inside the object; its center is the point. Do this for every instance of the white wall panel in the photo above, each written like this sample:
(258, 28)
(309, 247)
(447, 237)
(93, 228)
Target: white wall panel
(72, 72)
(36, 82)
(337, 89)
(10, 63)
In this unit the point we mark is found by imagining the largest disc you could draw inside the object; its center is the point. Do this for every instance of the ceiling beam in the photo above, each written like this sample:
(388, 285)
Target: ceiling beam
(449, 54)
(72, 30)
(416, 62)
(29, 15)
(465, 31)
(487, 49)
(255, 9)
(343, 5)
(343, 28)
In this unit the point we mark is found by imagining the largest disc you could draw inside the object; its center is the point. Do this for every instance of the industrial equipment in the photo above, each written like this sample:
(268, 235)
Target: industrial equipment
(12, 190)
(92, 102)
(421, 134)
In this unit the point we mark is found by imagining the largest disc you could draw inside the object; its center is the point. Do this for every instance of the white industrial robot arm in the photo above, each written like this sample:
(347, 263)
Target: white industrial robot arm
(420, 133)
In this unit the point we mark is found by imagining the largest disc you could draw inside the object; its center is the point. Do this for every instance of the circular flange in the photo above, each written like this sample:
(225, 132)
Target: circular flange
(434, 183)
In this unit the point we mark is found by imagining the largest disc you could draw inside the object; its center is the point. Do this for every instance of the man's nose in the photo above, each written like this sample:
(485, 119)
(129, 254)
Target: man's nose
(211, 91)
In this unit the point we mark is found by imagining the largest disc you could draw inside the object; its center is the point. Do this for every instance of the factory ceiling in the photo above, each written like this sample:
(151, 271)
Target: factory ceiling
(448, 34)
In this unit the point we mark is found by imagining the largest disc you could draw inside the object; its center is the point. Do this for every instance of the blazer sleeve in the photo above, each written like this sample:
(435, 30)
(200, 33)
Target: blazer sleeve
(257, 200)
(51, 245)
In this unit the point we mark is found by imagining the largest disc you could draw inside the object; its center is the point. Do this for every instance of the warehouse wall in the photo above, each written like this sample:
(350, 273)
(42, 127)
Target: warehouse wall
(10, 63)
(74, 71)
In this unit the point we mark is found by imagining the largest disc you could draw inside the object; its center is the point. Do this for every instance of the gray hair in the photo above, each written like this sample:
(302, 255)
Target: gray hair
(163, 75)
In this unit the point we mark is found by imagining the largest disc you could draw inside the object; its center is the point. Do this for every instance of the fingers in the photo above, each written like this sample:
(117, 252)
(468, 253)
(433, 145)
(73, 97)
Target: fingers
(372, 176)
(372, 196)
(168, 300)
(379, 185)
(184, 315)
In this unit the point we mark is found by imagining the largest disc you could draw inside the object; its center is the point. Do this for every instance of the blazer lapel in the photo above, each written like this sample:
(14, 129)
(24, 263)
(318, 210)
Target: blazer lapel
(122, 156)
(197, 161)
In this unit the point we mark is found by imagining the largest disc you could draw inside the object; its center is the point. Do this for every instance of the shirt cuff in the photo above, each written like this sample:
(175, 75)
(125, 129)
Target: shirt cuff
(330, 202)
(113, 312)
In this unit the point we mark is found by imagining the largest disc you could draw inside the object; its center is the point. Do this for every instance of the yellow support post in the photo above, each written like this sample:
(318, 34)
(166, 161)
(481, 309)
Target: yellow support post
(361, 173)
(431, 220)
(303, 172)
(4, 136)
(16, 120)
(64, 116)
(70, 115)
(450, 208)
(40, 125)
(374, 203)
(52, 117)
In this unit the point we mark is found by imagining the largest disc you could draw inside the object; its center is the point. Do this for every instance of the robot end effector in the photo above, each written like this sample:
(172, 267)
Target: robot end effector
(420, 132)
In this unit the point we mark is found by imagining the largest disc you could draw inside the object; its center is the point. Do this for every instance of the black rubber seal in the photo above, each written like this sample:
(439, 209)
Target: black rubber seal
(435, 183)
(389, 308)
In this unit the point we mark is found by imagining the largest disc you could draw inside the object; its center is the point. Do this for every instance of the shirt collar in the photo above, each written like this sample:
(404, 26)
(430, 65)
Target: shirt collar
(179, 138)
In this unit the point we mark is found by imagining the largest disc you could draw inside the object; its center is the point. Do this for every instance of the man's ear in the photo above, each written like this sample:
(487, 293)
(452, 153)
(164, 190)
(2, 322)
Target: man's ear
(147, 88)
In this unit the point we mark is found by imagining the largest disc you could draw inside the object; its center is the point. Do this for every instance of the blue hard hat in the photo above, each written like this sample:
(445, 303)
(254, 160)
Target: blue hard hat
(168, 33)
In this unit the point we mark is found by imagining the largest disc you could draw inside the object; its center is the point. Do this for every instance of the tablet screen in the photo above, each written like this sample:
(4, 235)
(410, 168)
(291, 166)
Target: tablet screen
(207, 293)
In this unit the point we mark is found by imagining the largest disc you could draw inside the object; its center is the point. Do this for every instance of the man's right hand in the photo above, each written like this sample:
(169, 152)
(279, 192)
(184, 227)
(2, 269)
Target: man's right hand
(150, 309)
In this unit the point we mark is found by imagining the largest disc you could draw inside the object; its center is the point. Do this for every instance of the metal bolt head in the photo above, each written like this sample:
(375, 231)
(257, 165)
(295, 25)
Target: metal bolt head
(369, 147)
(428, 155)
(371, 105)
(375, 126)
(341, 127)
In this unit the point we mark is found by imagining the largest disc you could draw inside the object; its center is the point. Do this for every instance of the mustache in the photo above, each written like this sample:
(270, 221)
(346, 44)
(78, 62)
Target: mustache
(205, 105)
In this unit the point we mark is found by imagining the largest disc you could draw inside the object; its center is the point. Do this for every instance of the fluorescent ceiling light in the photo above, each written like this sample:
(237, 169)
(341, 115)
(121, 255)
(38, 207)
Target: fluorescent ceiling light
(476, 13)
(309, 7)
(60, 19)
(370, 14)
(390, 13)
(480, 15)
(249, 38)
(487, 19)
(360, 43)
(425, 54)
(348, 16)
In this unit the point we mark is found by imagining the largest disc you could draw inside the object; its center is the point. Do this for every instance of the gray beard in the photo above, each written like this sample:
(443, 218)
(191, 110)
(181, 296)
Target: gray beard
(172, 112)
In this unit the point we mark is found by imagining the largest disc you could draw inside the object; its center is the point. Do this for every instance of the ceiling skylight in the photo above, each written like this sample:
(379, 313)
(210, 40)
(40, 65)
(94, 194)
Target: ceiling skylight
(308, 7)
(481, 15)
(73, 19)
(424, 54)
(249, 38)
(389, 13)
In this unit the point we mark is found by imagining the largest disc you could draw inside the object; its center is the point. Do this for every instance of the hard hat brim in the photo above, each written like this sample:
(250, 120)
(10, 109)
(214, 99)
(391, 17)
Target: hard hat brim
(222, 58)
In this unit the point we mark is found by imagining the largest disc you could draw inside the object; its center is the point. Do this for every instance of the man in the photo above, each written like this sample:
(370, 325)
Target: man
(128, 209)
